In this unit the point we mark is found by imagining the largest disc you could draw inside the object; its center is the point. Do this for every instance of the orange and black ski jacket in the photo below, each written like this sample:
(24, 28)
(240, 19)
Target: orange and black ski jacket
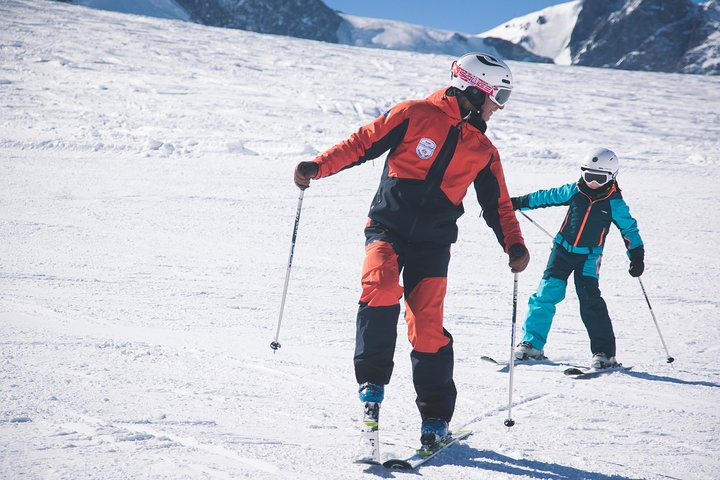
(434, 157)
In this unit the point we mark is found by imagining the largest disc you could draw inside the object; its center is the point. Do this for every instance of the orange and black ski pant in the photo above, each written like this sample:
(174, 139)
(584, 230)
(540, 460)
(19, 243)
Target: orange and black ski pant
(424, 270)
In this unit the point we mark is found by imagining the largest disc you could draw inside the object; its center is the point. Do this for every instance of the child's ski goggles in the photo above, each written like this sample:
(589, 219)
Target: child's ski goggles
(601, 178)
(499, 95)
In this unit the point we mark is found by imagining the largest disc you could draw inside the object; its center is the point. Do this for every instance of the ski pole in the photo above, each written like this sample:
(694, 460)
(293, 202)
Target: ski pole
(669, 358)
(536, 224)
(275, 344)
(509, 422)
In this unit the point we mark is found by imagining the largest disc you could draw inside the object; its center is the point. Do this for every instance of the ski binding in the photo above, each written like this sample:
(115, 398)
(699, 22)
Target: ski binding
(582, 373)
(422, 455)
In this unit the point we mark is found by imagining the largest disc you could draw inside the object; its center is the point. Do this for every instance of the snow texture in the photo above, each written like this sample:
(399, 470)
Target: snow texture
(146, 210)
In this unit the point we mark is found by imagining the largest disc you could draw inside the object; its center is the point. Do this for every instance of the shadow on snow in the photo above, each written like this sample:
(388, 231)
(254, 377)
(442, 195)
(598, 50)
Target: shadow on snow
(465, 456)
(661, 378)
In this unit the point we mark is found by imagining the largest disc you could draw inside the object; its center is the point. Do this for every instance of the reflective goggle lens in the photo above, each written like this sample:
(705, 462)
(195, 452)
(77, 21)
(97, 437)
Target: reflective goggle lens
(594, 176)
(502, 96)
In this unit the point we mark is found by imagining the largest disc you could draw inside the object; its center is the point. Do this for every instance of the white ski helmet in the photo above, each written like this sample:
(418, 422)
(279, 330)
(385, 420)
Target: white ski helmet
(600, 166)
(484, 72)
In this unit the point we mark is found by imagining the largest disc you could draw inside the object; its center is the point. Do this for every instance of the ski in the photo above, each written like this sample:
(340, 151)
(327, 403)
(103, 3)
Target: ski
(583, 373)
(369, 446)
(492, 360)
(422, 455)
(528, 361)
(368, 451)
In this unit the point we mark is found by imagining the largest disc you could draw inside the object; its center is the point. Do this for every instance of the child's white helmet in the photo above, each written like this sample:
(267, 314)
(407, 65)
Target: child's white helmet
(484, 72)
(600, 166)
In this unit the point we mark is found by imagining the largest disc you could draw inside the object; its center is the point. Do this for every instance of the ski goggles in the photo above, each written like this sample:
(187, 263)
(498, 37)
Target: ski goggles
(601, 178)
(499, 95)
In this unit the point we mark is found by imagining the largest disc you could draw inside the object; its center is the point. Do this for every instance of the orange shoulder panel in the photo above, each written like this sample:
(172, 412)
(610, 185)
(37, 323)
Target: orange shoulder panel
(354, 148)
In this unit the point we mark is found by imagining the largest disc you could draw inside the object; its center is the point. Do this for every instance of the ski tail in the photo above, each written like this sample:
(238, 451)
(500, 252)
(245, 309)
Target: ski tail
(369, 445)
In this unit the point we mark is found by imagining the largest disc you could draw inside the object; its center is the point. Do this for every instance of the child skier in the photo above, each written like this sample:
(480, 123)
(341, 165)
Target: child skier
(593, 203)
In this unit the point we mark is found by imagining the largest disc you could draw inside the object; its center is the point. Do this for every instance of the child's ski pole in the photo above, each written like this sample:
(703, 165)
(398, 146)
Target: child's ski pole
(536, 224)
(669, 358)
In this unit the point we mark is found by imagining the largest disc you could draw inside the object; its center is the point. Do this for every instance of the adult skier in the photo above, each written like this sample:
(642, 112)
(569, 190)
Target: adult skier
(437, 149)
(594, 202)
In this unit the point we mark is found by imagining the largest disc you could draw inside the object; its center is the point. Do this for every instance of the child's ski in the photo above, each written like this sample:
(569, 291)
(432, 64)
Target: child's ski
(583, 373)
(422, 455)
(528, 362)
(492, 360)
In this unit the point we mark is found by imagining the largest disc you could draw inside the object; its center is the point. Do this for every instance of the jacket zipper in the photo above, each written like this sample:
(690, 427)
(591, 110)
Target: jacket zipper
(447, 157)
(587, 214)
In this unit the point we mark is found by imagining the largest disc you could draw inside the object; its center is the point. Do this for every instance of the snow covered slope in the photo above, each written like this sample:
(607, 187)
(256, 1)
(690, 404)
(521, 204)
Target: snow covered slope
(146, 209)
(545, 32)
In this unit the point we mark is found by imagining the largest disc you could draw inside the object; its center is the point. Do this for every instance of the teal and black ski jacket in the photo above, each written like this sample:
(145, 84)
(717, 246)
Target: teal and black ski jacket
(589, 216)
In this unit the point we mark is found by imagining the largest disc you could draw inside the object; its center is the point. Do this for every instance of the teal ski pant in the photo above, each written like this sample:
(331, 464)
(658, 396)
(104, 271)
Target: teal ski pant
(551, 291)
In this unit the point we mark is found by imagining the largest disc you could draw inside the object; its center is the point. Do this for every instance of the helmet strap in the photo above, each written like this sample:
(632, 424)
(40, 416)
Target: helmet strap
(472, 116)
(476, 104)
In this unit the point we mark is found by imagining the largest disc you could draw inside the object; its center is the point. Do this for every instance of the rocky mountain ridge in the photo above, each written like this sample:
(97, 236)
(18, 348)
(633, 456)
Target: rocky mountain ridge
(653, 35)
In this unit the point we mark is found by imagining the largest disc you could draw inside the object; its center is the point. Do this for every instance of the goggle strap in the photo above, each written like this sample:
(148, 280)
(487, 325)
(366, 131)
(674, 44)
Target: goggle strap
(473, 80)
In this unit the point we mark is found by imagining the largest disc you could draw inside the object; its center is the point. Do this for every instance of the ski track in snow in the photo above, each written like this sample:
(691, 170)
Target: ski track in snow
(146, 208)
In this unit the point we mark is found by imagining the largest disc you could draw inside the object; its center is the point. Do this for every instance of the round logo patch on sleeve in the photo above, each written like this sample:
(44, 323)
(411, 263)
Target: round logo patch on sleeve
(425, 148)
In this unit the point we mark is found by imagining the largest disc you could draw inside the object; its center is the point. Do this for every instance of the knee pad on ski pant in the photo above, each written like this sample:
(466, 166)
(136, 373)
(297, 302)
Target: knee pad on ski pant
(433, 381)
(591, 267)
(424, 315)
(380, 276)
(375, 339)
(541, 310)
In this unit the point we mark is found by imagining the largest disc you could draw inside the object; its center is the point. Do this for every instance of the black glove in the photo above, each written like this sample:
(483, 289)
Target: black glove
(637, 261)
(519, 258)
(515, 203)
(304, 172)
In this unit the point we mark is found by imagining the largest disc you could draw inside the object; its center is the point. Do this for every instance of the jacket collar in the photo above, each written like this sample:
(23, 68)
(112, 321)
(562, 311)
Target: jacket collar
(597, 194)
(449, 106)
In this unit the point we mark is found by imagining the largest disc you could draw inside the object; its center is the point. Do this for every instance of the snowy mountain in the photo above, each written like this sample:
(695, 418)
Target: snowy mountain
(312, 19)
(146, 213)
(546, 32)
(377, 33)
(653, 35)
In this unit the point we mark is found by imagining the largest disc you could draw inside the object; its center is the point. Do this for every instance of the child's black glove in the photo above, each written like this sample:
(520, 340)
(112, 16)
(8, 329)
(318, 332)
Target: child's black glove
(515, 203)
(637, 261)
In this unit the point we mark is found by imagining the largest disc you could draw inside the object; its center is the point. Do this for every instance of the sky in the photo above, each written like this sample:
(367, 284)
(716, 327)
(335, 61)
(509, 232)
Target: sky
(456, 15)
